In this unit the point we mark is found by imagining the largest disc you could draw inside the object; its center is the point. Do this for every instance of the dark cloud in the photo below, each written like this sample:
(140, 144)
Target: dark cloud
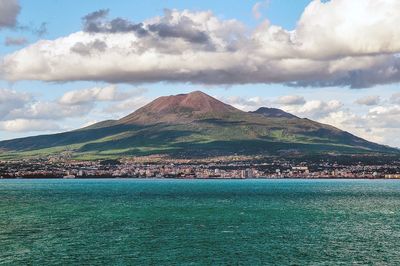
(385, 70)
(185, 28)
(96, 15)
(18, 41)
(122, 25)
(181, 30)
(92, 22)
(89, 48)
(96, 22)
(9, 10)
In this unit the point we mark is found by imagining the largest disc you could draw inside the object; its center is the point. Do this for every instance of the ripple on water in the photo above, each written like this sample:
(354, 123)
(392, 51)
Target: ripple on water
(199, 222)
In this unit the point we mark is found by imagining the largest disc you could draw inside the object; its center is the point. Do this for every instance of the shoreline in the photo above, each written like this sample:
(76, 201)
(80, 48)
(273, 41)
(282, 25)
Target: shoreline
(168, 178)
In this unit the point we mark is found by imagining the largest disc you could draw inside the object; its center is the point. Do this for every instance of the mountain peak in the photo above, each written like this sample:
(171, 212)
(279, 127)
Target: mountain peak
(181, 107)
(197, 93)
(273, 112)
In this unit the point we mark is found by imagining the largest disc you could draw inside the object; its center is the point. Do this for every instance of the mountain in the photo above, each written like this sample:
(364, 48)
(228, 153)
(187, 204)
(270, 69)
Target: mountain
(273, 112)
(195, 125)
(178, 109)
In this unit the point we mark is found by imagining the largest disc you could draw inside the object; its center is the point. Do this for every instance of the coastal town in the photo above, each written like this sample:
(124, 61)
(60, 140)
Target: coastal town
(217, 168)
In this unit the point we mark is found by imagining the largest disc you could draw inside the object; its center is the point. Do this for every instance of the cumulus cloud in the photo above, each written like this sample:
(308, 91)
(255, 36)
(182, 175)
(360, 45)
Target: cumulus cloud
(369, 100)
(72, 104)
(395, 98)
(379, 124)
(50, 111)
(108, 93)
(314, 109)
(127, 106)
(291, 100)
(246, 103)
(11, 100)
(297, 105)
(9, 10)
(23, 112)
(335, 43)
(90, 95)
(23, 125)
(351, 28)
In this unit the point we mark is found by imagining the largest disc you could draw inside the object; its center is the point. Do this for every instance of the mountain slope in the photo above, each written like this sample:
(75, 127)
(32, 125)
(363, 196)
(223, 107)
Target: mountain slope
(195, 125)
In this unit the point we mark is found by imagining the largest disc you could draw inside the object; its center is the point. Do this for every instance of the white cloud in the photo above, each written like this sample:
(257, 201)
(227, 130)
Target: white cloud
(109, 93)
(129, 105)
(10, 100)
(369, 100)
(336, 43)
(23, 125)
(342, 28)
(297, 105)
(379, 124)
(72, 104)
(314, 109)
(50, 110)
(246, 104)
(291, 100)
(395, 98)
(20, 111)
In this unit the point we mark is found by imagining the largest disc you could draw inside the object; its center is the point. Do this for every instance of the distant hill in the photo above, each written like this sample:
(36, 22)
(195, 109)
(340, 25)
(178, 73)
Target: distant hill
(196, 125)
(273, 112)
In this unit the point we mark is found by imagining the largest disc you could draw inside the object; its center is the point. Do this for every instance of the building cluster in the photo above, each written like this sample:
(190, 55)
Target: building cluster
(276, 168)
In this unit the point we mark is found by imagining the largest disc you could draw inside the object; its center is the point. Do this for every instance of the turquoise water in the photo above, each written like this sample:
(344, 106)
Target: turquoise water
(199, 222)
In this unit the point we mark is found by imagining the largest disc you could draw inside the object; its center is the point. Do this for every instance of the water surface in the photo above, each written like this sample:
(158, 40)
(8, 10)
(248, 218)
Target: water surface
(199, 222)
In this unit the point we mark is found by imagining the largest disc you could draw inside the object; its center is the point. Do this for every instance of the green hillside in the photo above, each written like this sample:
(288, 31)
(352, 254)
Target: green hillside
(194, 125)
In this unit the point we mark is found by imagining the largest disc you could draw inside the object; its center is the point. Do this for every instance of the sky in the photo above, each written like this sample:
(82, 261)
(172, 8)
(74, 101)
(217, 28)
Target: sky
(68, 64)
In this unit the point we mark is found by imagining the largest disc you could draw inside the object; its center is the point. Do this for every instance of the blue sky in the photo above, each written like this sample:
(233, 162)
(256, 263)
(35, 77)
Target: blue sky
(353, 98)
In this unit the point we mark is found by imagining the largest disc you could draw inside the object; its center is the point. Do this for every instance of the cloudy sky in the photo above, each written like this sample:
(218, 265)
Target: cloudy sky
(67, 64)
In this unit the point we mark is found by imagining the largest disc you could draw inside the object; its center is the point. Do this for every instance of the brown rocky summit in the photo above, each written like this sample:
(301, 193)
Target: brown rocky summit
(179, 108)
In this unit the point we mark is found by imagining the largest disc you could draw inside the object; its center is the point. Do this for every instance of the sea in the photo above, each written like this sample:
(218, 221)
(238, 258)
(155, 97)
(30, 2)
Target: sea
(199, 222)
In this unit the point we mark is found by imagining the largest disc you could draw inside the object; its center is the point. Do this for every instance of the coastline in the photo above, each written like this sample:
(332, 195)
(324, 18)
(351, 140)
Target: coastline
(169, 178)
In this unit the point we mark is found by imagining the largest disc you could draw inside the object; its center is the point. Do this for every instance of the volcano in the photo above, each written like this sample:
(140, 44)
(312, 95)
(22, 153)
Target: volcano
(179, 108)
(196, 125)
